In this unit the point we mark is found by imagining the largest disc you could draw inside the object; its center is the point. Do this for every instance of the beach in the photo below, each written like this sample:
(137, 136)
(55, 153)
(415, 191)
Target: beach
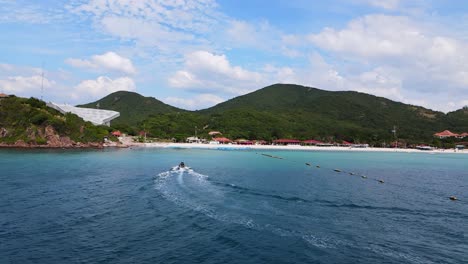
(128, 141)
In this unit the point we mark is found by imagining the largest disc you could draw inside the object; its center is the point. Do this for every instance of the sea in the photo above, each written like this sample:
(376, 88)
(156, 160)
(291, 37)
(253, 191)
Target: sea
(232, 206)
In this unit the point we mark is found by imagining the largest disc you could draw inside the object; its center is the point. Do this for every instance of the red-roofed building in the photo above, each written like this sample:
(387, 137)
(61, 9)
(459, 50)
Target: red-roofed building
(445, 134)
(222, 140)
(284, 141)
(2, 95)
(244, 142)
(116, 133)
(311, 142)
(463, 135)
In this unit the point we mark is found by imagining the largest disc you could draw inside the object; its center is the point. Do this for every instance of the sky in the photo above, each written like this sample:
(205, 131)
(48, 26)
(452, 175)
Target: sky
(194, 54)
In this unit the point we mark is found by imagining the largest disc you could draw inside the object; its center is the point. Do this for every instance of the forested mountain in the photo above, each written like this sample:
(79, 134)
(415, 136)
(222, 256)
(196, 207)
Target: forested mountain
(306, 112)
(458, 120)
(288, 111)
(133, 107)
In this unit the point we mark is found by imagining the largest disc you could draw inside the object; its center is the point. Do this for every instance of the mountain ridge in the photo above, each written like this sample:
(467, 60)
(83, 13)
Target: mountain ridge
(288, 110)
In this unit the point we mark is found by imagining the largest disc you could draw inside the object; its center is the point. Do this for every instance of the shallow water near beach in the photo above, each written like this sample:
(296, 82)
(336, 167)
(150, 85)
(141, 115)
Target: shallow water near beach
(128, 206)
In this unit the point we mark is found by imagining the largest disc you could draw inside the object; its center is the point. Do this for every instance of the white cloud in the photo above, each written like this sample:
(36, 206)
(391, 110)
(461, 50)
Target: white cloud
(109, 61)
(102, 86)
(398, 57)
(14, 11)
(164, 27)
(385, 4)
(379, 36)
(25, 85)
(204, 71)
(200, 101)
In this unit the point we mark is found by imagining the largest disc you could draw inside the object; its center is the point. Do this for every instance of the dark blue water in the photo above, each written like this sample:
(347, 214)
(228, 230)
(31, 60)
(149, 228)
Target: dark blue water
(125, 206)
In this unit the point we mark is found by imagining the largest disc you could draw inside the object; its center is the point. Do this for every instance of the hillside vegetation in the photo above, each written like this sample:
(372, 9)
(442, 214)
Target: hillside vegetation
(32, 122)
(288, 111)
(133, 108)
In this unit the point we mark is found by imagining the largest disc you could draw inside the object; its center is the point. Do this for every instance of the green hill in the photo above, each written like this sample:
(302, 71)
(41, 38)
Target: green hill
(287, 111)
(304, 112)
(29, 122)
(458, 120)
(133, 107)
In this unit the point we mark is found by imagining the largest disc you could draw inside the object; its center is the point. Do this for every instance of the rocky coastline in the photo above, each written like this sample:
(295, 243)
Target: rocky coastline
(53, 141)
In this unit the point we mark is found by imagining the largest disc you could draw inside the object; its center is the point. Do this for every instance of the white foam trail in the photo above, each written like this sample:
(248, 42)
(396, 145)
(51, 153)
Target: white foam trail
(200, 195)
(180, 179)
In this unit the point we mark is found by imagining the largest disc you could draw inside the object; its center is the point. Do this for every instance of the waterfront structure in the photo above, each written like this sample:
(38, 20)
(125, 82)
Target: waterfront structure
(311, 142)
(449, 134)
(95, 116)
(221, 140)
(445, 134)
(193, 140)
(284, 141)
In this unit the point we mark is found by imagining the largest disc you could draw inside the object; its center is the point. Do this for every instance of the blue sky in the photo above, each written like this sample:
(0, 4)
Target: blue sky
(195, 54)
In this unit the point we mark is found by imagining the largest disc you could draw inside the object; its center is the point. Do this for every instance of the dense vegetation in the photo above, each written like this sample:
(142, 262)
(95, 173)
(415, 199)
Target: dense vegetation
(133, 108)
(26, 119)
(288, 111)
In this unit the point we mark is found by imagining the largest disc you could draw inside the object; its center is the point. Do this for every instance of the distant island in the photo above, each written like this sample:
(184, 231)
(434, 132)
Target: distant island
(280, 111)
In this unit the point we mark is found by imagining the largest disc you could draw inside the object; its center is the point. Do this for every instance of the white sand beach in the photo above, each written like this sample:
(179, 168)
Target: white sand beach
(128, 141)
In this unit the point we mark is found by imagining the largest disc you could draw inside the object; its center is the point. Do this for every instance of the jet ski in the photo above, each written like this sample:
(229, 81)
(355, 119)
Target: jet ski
(181, 167)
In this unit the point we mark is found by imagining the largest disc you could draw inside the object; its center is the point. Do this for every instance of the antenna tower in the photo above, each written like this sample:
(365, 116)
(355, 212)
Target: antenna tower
(42, 80)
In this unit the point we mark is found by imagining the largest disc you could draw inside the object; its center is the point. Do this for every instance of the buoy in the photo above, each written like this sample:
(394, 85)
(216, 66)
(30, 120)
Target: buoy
(453, 198)
(308, 164)
(364, 176)
(317, 166)
(381, 181)
(351, 173)
(337, 170)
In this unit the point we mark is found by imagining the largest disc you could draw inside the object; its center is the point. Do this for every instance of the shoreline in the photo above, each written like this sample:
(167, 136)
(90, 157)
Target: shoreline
(126, 142)
(290, 147)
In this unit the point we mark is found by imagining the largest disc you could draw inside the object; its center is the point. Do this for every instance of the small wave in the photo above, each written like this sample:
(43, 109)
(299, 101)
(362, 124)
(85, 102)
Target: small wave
(254, 192)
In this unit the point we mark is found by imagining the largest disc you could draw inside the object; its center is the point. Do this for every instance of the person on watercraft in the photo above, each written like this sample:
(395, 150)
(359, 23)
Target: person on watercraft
(181, 165)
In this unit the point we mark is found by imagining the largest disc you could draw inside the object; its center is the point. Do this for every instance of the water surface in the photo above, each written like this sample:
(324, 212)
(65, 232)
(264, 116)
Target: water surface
(126, 206)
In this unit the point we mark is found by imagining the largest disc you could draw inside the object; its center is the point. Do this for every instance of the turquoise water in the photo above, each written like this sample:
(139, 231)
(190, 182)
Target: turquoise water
(126, 206)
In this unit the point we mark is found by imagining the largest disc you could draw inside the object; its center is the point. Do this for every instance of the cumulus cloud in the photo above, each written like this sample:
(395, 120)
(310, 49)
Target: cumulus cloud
(109, 61)
(161, 26)
(410, 58)
(205, 71)
(25, 85)
(200, 101)
(103, 86)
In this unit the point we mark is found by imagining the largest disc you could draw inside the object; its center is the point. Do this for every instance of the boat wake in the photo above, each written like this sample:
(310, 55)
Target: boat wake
(223, 202)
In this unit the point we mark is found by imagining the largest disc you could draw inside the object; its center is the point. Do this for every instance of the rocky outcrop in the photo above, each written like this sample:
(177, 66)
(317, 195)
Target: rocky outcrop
(53, 140)
(3, 132)
(21, 144)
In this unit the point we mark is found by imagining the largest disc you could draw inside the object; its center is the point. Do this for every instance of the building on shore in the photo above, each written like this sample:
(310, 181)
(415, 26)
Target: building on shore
(449, 134)
(286, 141)
(220, 140)
(95, 116)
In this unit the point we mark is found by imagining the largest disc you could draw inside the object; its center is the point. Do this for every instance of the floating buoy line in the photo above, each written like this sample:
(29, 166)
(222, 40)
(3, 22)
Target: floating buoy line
(381, 181)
